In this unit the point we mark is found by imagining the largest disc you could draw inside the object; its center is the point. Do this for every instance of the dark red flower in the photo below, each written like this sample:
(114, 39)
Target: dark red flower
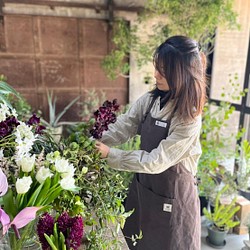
(39, 129)
(45, 225)
(104, 116)
(76, 232)
(63, 222)
(33, 120)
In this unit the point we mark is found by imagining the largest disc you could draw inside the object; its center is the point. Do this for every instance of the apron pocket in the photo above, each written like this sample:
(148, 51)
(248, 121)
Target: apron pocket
(155, 210)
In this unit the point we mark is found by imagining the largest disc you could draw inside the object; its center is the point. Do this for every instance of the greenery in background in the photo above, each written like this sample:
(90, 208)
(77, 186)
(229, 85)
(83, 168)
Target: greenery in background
(91, 102)
(194, 18)
(6, 91)
(243, 162)
(216, 145)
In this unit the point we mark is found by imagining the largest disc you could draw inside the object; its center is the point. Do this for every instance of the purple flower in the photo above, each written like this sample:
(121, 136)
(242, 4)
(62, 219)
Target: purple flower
(45, 225)
(7, 126)
(4, 129)
(39, 129)
(12, 121)
(104, 116)
(115, 105)
(33, 120)
(76, 233)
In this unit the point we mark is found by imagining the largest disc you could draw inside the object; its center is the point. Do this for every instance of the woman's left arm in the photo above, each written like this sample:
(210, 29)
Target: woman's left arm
(183, 142)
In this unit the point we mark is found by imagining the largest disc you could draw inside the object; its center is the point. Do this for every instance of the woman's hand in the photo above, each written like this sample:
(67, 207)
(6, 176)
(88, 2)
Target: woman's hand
(102, 148)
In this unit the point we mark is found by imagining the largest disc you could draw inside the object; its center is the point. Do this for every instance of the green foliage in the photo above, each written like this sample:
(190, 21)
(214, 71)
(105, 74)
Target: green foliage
(194, 18)
(222, 217)
(91, 103)
(215, 144)
(20, 104)
(116, 63)
(5, 91)
(102, 191)
(243, 160)
(132, 144)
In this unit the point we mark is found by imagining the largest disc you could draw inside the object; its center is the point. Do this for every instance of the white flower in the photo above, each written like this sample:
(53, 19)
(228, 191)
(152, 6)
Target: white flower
(23, 132)
(4, 111)
(69, 172)
(23, 185)
(24, 139)
(42, 174)
(1, 154)
(23, 148)
(62, 166)
(26, 163)
(68, 183)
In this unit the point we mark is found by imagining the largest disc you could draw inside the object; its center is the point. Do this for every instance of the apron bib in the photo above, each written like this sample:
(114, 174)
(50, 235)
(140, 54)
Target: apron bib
(166, 205)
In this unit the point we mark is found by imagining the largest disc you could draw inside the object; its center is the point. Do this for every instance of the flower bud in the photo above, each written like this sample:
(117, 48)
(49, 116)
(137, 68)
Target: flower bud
(23, 185)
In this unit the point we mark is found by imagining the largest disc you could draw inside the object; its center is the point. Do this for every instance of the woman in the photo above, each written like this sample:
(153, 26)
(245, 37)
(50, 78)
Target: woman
(163, 192)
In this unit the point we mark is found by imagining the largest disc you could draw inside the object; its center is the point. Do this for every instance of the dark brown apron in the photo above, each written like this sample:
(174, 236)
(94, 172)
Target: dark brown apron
(166, 205)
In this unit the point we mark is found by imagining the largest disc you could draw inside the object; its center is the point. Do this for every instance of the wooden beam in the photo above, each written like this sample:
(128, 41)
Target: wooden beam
(52, 3)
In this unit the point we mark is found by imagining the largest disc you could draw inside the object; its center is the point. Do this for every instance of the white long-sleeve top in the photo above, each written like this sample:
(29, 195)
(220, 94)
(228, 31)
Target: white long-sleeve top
(181, 146)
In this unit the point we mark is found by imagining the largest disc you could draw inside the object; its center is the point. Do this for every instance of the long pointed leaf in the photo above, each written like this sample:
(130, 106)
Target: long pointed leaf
(66, 109)
(52, 196)
(44, 192)
(8, 89)
(10, 206)
(32, 200)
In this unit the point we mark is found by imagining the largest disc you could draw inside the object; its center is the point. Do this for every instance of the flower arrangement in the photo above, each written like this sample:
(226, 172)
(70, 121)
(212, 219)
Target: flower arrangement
(63, 233)
(39, 175)
(30, 180)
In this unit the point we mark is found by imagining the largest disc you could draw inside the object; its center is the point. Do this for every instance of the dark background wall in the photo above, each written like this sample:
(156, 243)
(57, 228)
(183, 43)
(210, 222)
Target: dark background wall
(62, 54)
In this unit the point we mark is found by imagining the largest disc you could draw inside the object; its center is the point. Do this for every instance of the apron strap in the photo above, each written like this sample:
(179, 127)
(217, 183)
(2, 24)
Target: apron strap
(151, 105)
(149, 108)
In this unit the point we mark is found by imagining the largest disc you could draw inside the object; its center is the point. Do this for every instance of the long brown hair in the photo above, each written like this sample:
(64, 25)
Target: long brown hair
(179, 60)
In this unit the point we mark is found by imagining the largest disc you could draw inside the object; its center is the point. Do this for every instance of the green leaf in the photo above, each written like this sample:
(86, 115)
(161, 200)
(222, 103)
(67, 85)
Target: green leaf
(52, 195)
(9, 205)
(44, 191)
(33, 198)
(50, 241)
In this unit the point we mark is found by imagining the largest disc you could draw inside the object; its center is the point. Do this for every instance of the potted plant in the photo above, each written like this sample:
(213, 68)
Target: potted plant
(220, 220)
(54, 125)
(243, 173)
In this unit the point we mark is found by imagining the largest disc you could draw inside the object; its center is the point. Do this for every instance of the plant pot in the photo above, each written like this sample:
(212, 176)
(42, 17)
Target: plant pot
(245, 194)
(216, 238)
(56, 133)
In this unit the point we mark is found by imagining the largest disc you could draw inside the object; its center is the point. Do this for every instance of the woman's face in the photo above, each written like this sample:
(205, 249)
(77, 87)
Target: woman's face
(161, 82)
